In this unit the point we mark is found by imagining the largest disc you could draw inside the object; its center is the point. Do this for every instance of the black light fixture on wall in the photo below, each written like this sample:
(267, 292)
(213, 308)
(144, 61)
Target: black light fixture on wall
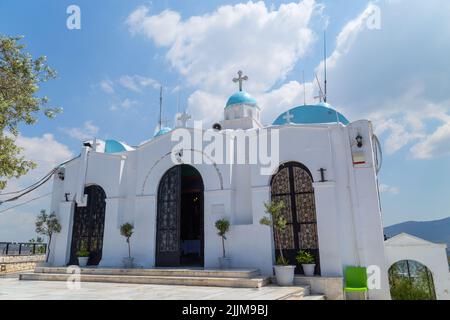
(359, 141)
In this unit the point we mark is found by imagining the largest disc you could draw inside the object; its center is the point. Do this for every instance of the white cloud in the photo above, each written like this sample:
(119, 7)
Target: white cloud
(169, 21)
(137, 83)
(107, 86)
(436, 144)
(88, 131)
(124, 104)
(384, 188)
(277, 101)
(206, 107)
(18, 224)
(396, 75)
(209, 49)
(389, 74)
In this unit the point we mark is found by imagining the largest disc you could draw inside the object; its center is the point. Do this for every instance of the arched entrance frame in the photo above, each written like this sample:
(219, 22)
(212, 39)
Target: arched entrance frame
(293, 184)
(413, 273)
(88, 226)
(180, 218)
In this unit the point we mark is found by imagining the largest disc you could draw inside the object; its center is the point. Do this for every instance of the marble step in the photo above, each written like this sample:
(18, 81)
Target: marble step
(164, 272)
(314, 297)
(300, 293)
(163, 280)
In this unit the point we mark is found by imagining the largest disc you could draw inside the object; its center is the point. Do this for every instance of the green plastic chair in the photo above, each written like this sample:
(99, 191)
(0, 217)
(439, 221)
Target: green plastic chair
(356, 280)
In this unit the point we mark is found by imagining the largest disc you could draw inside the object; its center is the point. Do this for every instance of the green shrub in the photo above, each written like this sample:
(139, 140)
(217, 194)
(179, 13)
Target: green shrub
(83, 252)
(304, 257)
(404, 289)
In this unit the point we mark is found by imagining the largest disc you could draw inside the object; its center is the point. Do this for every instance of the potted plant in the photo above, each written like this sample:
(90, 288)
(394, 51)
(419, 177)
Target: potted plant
(223, 226)
(126, 230)
(284, 272)
(47, 225)
(83, 256)
(307, 261)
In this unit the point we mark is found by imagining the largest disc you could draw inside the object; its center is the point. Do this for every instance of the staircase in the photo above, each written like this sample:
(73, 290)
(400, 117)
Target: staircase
(188, 277)
(234, 278)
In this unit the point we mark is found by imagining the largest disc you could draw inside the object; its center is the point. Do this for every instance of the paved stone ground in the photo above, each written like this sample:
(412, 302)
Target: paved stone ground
(13, 289)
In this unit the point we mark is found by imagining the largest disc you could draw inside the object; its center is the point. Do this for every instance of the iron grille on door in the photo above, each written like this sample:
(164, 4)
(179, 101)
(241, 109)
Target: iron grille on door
(292, 184)
(89, 225)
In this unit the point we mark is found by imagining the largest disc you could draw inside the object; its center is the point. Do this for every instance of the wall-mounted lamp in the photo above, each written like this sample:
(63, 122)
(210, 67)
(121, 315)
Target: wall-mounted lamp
(359, 141)
(61, 175)
(66, 195)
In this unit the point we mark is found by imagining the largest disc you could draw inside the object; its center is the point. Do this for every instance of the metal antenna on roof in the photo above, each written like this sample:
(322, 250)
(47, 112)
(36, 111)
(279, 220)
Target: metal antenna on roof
(160, 107)
(321, 94)
(325, 64)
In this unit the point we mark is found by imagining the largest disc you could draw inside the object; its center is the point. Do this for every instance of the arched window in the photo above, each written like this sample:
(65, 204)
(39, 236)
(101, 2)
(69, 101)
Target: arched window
(411, 280)
(293, 184)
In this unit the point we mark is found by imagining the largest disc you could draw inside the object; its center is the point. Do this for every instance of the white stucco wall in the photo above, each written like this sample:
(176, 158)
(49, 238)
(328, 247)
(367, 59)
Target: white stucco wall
(432, 255)
(348, 213)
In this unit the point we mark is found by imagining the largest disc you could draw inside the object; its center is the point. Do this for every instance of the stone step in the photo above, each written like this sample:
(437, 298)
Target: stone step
(299, 294)
(163, 280)
(160, 272)
(314, 297)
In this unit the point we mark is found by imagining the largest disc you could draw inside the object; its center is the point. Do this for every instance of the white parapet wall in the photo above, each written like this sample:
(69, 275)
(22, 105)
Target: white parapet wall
(13, 264)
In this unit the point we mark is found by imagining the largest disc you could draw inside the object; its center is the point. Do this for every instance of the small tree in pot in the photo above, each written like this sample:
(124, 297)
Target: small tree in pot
(284, 272)
(307, 261)
(126, 230)
(83, 255)
(47, 225)
(223, 226)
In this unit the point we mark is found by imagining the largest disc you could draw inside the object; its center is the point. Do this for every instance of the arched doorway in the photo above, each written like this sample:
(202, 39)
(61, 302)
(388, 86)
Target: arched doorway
(293, 184)
(180, 231)
(411, 280)
(89, 225)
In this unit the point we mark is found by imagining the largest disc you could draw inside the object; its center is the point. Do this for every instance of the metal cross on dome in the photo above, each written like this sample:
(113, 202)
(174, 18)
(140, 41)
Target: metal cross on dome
(183, 119)
(240, 79)
(288, 117)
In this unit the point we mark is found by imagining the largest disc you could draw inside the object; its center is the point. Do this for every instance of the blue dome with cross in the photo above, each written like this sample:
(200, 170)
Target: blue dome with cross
(162, 131)
(241, 97)
(311, 114)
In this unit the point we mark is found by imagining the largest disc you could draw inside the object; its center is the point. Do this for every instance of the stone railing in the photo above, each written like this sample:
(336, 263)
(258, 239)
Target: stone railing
(13, 264)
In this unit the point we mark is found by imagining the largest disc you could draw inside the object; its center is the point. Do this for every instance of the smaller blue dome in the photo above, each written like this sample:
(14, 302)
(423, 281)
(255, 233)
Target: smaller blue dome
(311, 114)
(241, 97)
(114, 146)
(163, 131)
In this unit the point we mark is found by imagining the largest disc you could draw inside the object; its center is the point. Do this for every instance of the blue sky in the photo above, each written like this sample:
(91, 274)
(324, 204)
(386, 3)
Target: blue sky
(109, 72)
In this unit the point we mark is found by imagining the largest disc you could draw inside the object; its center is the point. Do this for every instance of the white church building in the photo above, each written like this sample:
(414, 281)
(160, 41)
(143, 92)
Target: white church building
(325, 173)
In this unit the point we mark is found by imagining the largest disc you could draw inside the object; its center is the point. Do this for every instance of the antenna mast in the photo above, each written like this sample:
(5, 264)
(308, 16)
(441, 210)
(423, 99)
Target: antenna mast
(160, 107)
(325, 63)
(321, 94)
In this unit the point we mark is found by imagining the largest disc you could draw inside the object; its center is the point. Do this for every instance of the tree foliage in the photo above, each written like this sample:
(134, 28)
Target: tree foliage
(47, 225)
(20, 80)
(410, 280)
(277, 220)
(127, 230)
(222, 226)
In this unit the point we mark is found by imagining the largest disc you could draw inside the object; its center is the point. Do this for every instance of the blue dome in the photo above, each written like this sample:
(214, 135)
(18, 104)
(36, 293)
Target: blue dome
(114, 146)
(311, 114)
(163, 131)
(241, 97)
